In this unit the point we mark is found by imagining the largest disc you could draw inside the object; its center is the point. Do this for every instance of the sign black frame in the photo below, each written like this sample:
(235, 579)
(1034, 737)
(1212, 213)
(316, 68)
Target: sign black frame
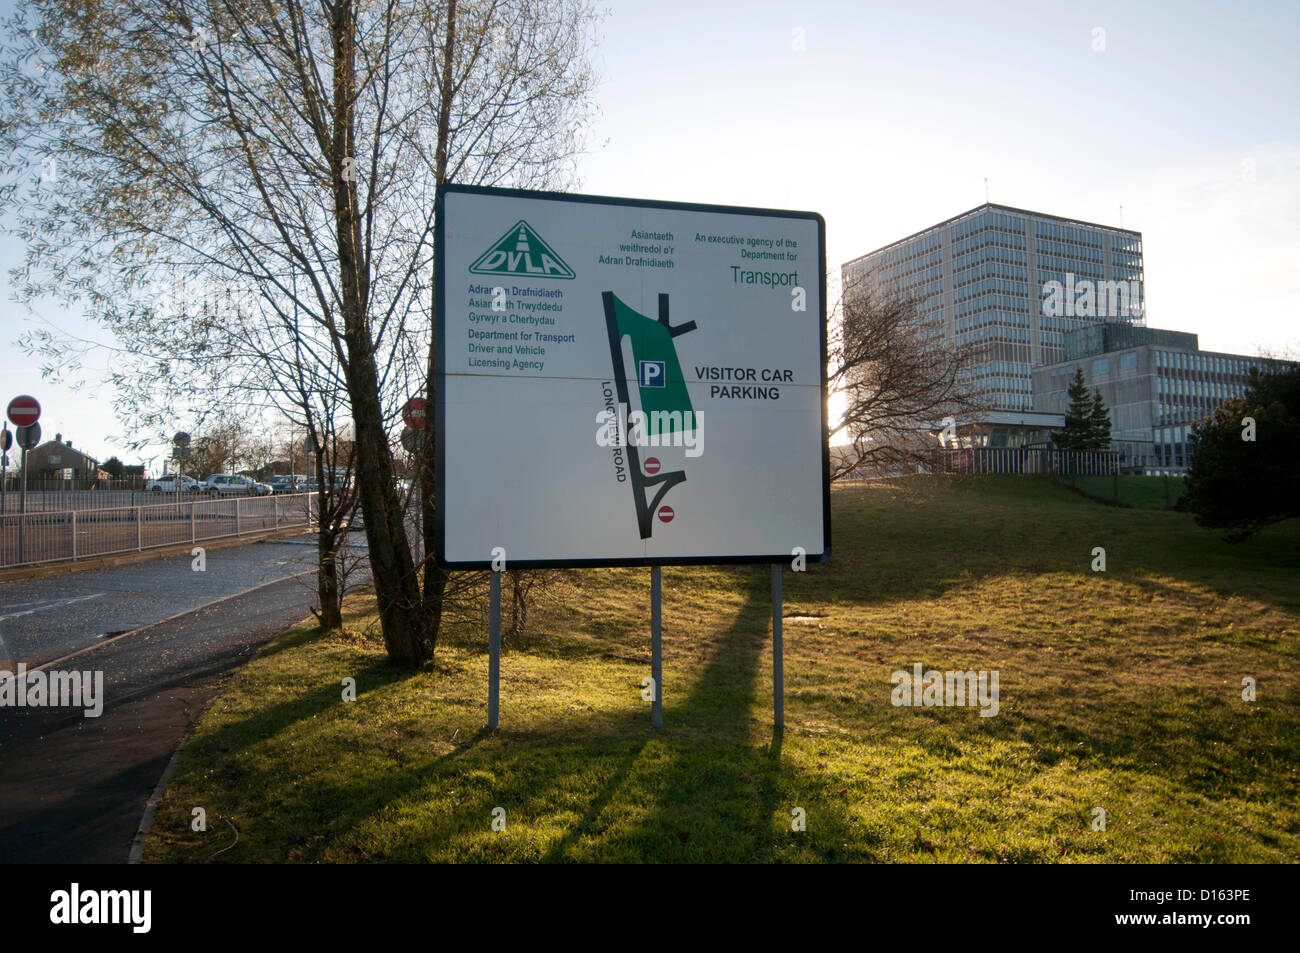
(440, 378)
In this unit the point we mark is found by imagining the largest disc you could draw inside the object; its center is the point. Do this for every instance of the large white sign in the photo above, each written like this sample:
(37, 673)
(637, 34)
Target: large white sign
(628, 382)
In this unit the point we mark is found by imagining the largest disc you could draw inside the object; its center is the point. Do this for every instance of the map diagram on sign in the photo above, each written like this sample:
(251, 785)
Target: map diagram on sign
(661, 387)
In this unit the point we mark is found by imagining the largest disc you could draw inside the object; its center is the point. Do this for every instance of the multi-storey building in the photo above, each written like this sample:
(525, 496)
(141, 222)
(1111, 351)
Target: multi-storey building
(1156, 383)
(1010, 284)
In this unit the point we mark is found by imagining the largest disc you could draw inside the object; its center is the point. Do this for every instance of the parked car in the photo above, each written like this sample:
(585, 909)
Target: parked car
(228, 484)
(291, 483)
(173, 484)
(260, 488)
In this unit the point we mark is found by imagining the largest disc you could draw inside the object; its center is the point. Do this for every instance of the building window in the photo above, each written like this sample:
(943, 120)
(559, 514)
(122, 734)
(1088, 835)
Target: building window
(1100, 366)
(1128, 361)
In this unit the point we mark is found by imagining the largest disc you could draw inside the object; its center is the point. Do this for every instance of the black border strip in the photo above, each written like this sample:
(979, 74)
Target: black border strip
(440, 377)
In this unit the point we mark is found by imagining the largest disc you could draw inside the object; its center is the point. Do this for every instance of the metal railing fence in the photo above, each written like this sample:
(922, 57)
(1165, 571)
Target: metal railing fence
(1024, 461)
(47, 495)
(1016, 461)
(45, 536)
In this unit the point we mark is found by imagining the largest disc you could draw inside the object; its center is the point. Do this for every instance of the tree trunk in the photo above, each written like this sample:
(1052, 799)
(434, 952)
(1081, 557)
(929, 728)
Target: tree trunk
(435, 579)
(328, 590)
(327, 579)
(396, 584)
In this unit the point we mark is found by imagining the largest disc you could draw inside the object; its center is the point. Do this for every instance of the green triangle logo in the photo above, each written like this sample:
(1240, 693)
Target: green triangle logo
(521, 253)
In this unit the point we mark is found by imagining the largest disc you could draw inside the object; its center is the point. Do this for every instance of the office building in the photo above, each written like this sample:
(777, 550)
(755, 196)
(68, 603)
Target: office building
(1156, 383)
(1010, 284)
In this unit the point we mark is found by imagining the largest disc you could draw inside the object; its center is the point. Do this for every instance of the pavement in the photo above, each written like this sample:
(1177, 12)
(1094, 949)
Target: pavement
(73, 788)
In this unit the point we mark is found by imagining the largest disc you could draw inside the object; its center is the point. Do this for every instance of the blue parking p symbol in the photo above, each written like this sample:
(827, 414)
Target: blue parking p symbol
(652, 373)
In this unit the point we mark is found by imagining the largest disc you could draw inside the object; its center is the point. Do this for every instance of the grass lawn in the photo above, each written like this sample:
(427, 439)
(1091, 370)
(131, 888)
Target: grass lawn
(1119, 690)
(1145, 492)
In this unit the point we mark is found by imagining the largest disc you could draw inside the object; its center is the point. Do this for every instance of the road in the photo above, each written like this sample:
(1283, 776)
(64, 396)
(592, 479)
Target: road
(72, 788)
(44, 619)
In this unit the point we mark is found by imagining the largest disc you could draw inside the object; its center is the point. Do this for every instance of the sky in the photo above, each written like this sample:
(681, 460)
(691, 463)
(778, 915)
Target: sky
(888, 117)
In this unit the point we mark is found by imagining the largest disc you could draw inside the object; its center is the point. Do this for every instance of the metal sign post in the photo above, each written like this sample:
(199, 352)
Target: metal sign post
(414, 416)
(309, 448)
(494, 650)
(656, 649)
(22, 506)
(778, 651)
(6, 441)
(180, 450)
(28, 437)
(413, 442)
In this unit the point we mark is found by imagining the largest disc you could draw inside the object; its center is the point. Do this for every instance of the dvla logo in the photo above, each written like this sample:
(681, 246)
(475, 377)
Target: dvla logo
(523, 253)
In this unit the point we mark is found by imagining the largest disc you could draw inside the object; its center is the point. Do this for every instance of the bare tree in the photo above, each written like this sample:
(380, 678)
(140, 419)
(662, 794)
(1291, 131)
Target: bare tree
(290, 153)
(900, 378)
(224, 444)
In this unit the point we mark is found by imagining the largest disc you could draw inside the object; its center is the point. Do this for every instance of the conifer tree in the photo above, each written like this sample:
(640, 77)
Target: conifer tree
(1078, 417)
(1098, 423)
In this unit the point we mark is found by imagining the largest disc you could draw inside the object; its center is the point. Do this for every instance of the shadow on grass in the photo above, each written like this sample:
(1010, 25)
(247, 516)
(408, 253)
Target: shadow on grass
(708, 792)
(689, 774)
(698, 789)
(269, 721)
(618, 789)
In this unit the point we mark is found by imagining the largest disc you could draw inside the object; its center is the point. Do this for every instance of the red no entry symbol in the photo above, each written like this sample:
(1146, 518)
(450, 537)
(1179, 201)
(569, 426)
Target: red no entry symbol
(413, 413)
(666, 514)
(24, 411)
(652, 465)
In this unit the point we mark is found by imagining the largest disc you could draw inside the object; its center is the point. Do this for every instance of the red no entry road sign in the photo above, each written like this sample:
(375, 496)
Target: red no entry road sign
(413, 413)
(24, 411)
(666, 514)
(652, 465)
